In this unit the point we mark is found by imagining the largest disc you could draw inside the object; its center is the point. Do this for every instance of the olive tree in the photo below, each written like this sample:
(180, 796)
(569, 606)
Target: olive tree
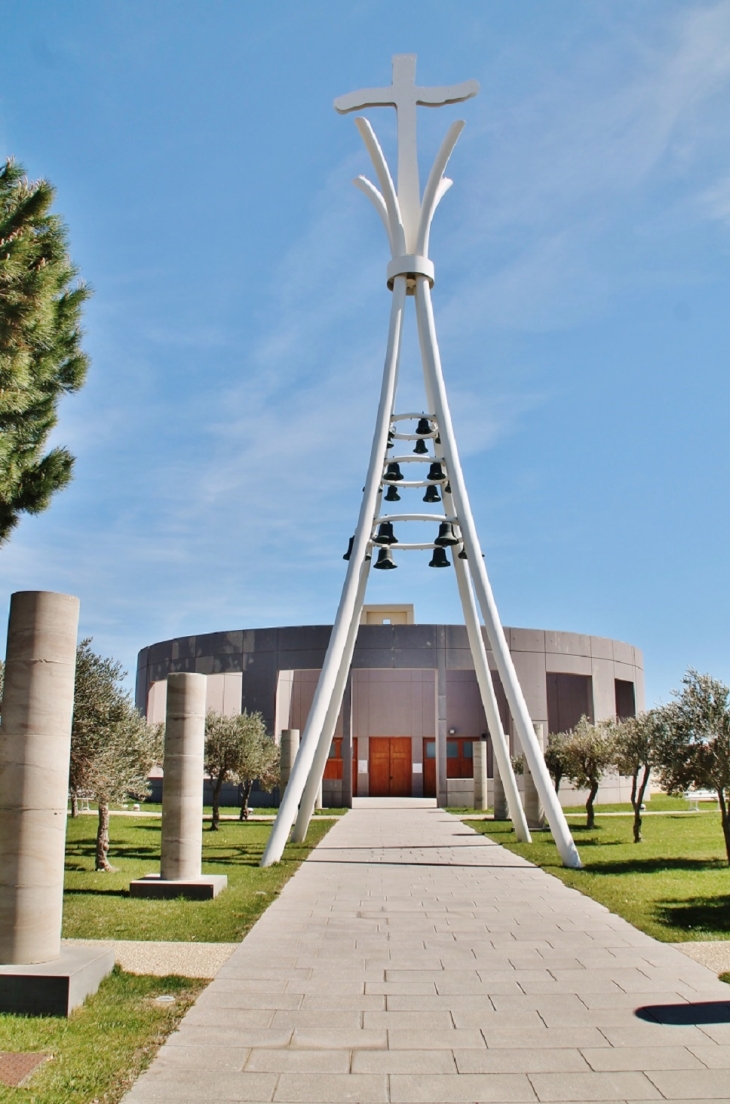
(588, 752)
(638, 741)
(554, 758)
(695, 749)
(237, 749)
(113, 749)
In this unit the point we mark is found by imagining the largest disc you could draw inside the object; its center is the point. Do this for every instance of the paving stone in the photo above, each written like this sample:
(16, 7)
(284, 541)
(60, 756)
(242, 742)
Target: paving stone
(570, 1037)
(641, 1058)
(584, 1087)
(714, 1055)
(703, 1084)
(334, 1037)
(411, 960)
(471, 1088)
(404, 1061)
(299, 1061)
(230, 1059)
(512, 1060)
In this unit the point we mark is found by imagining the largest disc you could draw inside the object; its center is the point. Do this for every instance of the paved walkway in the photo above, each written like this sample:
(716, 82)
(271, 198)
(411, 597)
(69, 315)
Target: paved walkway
(412, 960)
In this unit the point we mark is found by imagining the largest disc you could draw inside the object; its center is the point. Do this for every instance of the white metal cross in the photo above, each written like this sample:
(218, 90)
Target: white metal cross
(405, 95)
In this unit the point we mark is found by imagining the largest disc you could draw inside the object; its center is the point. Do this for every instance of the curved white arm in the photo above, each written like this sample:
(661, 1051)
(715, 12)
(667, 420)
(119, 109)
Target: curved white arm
(378, 203)
(397, 233)
(433, 191)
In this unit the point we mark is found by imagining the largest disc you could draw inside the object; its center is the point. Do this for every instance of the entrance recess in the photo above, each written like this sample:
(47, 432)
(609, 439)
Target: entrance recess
(390, 766)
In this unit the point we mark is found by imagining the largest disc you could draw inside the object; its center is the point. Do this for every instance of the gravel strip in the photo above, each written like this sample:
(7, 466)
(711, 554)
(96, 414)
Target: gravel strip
(198, 960)
(714, 953)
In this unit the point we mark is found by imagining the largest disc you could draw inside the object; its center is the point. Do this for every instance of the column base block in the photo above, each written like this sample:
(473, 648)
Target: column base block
(204, 888)
(54, 988)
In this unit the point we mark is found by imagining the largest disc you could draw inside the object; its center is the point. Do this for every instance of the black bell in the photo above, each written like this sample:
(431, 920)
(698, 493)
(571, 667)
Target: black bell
(435, 471)
(384, 561)
(446, 535)
(431, 495)
(439, 559)
(385, 534)
(393, 474)
(349, 549)
(424, 426)
(447, 488)
(421, 448)
(463, 555)
(391, 495)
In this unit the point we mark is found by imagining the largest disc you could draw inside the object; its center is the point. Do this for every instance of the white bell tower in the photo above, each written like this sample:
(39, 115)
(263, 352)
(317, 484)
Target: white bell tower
(407, 217)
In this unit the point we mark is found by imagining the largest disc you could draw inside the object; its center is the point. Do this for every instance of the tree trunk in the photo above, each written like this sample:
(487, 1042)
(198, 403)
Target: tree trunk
(638, 790)
(74, 805)
(557, 779)
(590, 815)
(246, 788)
(725, 821)
(102, 838)
(216, 801)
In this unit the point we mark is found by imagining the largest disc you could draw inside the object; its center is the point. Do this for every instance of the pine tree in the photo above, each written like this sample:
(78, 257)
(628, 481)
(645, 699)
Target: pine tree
(40, 344)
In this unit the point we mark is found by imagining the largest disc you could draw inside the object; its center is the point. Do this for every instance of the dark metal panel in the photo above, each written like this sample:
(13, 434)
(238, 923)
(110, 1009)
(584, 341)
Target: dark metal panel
(219, 643)
(160, 653)
(183, 647)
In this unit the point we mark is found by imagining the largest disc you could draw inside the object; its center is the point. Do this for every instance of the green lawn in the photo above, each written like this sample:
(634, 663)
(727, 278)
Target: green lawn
(99, 1051)
(98, 905)
(674, 886)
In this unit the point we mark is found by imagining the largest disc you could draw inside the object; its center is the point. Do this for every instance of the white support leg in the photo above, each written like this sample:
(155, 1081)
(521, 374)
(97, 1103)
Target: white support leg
(518, 707)
(481, 667)
(338, 639)
(316, 774)
(489, 701)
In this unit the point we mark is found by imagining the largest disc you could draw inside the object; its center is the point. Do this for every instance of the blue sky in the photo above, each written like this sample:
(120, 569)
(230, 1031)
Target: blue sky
(239, 317)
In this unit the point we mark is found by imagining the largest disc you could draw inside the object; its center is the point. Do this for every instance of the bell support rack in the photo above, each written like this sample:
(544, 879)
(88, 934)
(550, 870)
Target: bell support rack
(407, 217)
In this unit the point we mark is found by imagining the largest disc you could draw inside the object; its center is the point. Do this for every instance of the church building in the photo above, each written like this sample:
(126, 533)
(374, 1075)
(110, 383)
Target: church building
(411, 710)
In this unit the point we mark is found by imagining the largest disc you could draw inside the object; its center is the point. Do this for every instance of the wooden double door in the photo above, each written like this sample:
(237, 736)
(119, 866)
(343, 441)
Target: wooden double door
(390, 767)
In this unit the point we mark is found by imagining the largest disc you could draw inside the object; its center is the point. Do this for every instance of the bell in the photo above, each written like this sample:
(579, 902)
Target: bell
(393, 474)
(447, 488)
(385, 534)
(424, 426)
(446, 535)
(434, 472)
(421, 449)
(463, 555)
(439, 559)
(384, 561)
(391, 439)
(431, 495)
(391, 495)
(349, 549)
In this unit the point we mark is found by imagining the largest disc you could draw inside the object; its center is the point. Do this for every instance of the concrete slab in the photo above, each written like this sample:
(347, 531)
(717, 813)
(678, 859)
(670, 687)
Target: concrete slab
(410, 959)
(204, 888)
(55, 988)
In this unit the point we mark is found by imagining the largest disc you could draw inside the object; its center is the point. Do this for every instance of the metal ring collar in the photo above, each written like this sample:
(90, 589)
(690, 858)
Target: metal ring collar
(410, 265)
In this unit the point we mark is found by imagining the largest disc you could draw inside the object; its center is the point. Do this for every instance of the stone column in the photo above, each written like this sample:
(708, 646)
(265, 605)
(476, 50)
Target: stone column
(182, 787)
(37, 976)
(35, 747)
(481, 798)
(289, 748)
(501, 812)
(182, 798)
(534, 812)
